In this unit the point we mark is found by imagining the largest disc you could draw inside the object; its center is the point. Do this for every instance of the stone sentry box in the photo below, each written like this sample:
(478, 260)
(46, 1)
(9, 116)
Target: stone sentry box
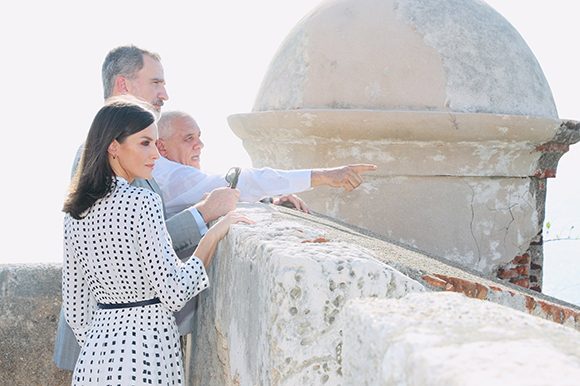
(446, 98)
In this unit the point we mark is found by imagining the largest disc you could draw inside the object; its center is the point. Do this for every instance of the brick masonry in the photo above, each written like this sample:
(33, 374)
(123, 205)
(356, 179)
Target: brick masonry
(537, 307)
(517, 272)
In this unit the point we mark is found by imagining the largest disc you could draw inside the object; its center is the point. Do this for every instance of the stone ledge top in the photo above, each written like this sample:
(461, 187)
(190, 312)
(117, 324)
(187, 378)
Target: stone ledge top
(394, 125)
(439, 274)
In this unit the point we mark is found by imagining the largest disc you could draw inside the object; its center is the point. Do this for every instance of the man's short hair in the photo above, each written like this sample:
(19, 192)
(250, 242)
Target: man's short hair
(125, 61)
(164, 124)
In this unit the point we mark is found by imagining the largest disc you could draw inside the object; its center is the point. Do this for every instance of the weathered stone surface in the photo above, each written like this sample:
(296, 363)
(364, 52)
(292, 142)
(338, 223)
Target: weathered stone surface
(447, 55)
(479, 223)
(273, 302)
(270, 315)
(439, 274)
(30, 301)
(462, 141)
(443, 339)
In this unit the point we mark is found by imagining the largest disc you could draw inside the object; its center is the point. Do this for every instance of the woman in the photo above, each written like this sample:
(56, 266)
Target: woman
(121, 279)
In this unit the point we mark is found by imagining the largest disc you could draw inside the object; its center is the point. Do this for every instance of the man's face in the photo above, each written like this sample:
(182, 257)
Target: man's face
(184, 145)
(149, 83)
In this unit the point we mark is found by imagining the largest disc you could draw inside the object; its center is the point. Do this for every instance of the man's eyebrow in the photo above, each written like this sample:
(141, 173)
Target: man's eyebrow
(157, 80)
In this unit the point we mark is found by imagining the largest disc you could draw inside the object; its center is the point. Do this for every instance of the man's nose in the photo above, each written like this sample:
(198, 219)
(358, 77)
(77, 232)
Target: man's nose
(163, 94)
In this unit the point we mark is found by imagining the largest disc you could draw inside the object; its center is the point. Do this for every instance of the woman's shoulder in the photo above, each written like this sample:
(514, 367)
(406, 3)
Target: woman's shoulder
(139, 193)
(142, 199)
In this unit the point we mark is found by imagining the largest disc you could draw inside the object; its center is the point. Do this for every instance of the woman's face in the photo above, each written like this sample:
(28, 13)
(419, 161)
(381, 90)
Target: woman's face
(136, 155)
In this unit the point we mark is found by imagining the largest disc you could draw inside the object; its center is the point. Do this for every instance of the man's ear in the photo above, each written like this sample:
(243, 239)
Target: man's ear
(161, 147)
(120, 86)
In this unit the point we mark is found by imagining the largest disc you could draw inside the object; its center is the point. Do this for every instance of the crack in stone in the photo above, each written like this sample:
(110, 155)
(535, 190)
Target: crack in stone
(507, 228)
(471, 224)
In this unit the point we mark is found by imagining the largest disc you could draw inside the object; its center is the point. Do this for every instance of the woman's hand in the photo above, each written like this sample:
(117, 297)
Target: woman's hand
(208, 243)
(221, 228)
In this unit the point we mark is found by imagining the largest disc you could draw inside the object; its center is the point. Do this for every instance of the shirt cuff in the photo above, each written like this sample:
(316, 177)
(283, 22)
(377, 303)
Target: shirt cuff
(199, 221)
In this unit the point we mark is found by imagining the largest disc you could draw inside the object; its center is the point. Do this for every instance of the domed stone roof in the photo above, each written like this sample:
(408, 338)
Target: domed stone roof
(456, 56)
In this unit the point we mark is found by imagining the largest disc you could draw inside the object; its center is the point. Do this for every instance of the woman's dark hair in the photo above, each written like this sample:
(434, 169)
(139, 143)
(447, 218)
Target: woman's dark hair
(93, 179)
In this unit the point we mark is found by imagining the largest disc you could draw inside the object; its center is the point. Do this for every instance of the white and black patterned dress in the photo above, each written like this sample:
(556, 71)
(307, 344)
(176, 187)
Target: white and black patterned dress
(120, 252)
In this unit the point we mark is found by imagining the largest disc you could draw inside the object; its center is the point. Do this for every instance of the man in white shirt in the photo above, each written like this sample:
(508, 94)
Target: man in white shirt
(182, 183)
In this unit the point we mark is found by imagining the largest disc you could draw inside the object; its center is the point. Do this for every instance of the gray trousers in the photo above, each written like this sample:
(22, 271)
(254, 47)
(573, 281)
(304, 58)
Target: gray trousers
(66, 349)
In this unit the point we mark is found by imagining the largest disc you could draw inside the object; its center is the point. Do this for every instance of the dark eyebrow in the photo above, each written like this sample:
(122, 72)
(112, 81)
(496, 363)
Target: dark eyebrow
(147, 137)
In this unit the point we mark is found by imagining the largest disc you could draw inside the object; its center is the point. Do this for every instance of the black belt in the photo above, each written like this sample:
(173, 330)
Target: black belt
(109, 306)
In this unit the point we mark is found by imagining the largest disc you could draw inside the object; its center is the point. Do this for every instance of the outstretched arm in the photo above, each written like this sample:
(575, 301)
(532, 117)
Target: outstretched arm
(347, 177)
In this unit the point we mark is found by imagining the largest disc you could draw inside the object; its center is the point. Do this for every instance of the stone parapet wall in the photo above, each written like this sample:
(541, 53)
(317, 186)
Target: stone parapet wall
(296, 274)
(274, 312)
(442, 339)
(278, 289)
(30, 298)
(438, 274)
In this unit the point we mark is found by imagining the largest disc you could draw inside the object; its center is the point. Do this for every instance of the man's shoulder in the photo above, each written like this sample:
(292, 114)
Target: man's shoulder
(141, 183)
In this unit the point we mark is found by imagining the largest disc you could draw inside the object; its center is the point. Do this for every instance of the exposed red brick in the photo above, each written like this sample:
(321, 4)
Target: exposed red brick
(545, 173)
(557, 313)
(468, 288)
(553, 147)
(523, 270)
(530, 304)
(504, 290)
(507, 273)
(317, 240)
(523, 259)
(435, 282)
(552, 311)
(517, 271)
(522, 282)
(568, 313)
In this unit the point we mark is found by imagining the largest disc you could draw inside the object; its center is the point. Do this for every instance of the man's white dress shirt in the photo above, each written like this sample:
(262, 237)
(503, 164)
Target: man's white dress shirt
(183, 186)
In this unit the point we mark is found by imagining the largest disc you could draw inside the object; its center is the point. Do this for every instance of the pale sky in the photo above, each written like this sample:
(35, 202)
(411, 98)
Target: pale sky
(215, 54)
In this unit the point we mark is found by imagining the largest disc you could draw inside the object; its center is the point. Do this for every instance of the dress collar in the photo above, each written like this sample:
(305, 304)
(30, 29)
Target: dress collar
(121, 180)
